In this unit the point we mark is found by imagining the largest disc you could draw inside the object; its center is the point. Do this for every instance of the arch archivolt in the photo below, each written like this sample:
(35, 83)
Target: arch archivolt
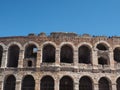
(107, 77)
(116, 46)
(48, 42)
(15, 43)
(23, 76)
(6, 76)
(104, 43)
(19, 76)
(89, 76)
(85, 44)
(67, 43)
(96, 78)
(44, 75)
(3, 46)
(115, 79)
(61, 76)
(31, 42)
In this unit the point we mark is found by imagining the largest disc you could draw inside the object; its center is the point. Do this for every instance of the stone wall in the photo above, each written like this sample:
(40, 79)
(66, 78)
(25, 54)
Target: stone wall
(75, 70)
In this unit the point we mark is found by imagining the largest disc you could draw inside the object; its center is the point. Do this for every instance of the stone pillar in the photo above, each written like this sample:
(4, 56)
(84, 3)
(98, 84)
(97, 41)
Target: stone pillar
(76, 86)
(94, 59)
(18, 85)
(37, 84)
(40, 53)
(4, 59)
(76, 83)
(57, 57)
(1, 85)
(56, 86)
(114, 87)
(38, 61)
(21, 57)
(75, 58)
(111, 60)
(96, 86)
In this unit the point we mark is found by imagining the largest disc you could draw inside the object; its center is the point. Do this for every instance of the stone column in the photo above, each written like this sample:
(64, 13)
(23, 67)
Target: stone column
(1, 85)
(21, 57)
(111, 60)
(38, 61)
(37, 84)
(57, 57)
(75, 60)
(76, 83)
(4, 59)
(76, 86)
(114, 87)
(96, 86)
(40, 53)
(56, 86)
(94, 59)
(18, 85)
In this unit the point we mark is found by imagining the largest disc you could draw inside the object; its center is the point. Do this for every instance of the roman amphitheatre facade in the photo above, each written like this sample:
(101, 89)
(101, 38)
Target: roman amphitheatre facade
(60, 61)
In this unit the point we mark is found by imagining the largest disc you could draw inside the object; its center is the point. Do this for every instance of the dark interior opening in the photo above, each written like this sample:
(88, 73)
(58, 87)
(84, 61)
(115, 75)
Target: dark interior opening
(117, 54)
(102, 61)
(66, 83)
(10, 83)
(118, 84)
(101, 47)
(13, 56)
(29, 63)
(49, 53)
(31, 51)
(47, 83)
(66, 54)
(84, 55)
(85, 83)
(28, 83)
(104, 84)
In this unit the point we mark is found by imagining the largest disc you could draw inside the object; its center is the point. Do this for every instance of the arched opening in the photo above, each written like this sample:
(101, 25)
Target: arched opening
(118, 84)
(102, 47)
(103, 61)
(85, 83)
(1, 55)
(31, 51)
(29, 63)
(84, 55)
(13, 56)
(9, 83)
(66, 83)
(28, 83)
(104, 84)
(47, 83)
(48, 53)
(66, 54)
(117, 54)
(30, 56)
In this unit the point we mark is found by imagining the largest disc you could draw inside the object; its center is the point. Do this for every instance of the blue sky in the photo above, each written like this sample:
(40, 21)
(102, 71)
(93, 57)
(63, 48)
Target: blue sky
(95, 17)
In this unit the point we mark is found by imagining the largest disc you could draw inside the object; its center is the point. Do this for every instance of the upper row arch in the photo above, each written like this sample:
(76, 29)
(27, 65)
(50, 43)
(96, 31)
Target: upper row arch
(31, 43)
(67, 43)
(85, 44)
(104, 43)
(15, 43)
(54, 44)
(47, 43)
(3, 46)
